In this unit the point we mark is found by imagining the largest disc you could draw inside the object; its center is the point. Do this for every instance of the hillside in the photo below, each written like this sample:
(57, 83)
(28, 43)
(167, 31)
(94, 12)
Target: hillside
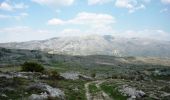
(97, 45)
(17, 57)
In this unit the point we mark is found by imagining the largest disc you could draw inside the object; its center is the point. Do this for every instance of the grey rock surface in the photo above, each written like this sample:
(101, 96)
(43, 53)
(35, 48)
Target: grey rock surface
(131, 92)
(47, 91)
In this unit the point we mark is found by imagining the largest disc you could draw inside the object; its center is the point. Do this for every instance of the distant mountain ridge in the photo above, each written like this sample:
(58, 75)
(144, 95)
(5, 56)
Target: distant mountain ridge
(97, 45)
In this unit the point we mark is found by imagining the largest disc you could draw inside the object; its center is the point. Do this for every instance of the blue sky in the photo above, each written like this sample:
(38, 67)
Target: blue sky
(24, 20)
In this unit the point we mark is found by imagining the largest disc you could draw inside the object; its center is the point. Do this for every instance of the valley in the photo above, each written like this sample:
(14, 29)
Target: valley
(93, 77)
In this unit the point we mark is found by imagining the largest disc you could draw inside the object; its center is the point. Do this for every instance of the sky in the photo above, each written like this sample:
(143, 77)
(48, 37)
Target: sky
(25, 20)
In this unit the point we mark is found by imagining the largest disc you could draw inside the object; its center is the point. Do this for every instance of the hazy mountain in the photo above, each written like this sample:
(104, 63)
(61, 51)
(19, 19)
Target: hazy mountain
(97, 45)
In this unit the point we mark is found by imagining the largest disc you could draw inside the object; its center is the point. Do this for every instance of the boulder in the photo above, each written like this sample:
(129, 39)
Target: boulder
(70, 75)
(131, 92)
(75, 76)
(45, 88)
(42, 96)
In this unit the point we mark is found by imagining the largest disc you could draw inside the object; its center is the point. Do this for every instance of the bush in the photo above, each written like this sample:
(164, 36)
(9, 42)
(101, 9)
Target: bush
(32, 67)
(93, 75)
(54, 74)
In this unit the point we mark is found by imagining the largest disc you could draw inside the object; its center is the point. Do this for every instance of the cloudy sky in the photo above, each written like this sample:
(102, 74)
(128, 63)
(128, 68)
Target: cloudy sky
(24, 20)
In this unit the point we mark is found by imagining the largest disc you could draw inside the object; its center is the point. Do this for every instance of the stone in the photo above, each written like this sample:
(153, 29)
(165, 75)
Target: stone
(52, 92)
(42, 96)
(4, 95)
(131, 92)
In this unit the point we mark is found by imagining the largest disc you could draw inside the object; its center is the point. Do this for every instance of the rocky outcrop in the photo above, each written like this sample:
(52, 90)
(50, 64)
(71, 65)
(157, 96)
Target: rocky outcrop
(47, 91)
(70, 75)
(27, 75)
(131, 92)
(42, 96)
(75, 76)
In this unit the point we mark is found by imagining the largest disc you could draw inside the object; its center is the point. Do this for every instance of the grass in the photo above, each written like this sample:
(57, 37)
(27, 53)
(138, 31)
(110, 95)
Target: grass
(93, 89)
(64, 66)
(14, 88)
(112, 91)
(161, 77)
(73, 89)
(10, 68)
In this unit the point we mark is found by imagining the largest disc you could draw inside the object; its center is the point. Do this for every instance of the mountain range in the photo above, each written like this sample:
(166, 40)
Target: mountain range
(96, 45)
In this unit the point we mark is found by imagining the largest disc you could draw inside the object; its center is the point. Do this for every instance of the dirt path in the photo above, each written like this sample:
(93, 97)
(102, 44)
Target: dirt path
(88, 96)
(100, 95)
(105, 95)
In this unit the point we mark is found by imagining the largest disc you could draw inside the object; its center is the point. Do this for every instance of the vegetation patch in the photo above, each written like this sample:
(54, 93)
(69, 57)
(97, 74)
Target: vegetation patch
(73, 89)
(13, 89)
(32, 67)
(10, 68)
(112, 91)
(93, 89)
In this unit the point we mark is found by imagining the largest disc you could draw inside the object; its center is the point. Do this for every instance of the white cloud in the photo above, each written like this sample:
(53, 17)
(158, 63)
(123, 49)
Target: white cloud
(55, 2)
(20, 6)
(17, 29)
(84, 18)
(55, 21)
(94, 2)
(91, 19)
(146, 33)
(5, 6)
(147, 1)
(103, 30)
(91, 31)
(24, 14)
(131, 5)
(17, 17)
(165, 1)
(163, 10)
(20, 16)
(95, 23)
(71, 32)
(9, 6)
(156, 34)
(4, 16)
(23, 33)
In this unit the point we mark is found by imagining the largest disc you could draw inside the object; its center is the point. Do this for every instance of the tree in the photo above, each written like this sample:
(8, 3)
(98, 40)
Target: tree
(32, 67)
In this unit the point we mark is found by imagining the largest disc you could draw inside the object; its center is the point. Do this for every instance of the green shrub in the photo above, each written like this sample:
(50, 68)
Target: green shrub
(54, 74)
(32, 67)
(93, 75)
(112, 91)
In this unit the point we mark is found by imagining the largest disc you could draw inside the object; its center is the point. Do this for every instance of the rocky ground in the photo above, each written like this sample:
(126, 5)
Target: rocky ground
(136, 90)
(39, 86)
(99, 95)
(94, 77)
(76, 86)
